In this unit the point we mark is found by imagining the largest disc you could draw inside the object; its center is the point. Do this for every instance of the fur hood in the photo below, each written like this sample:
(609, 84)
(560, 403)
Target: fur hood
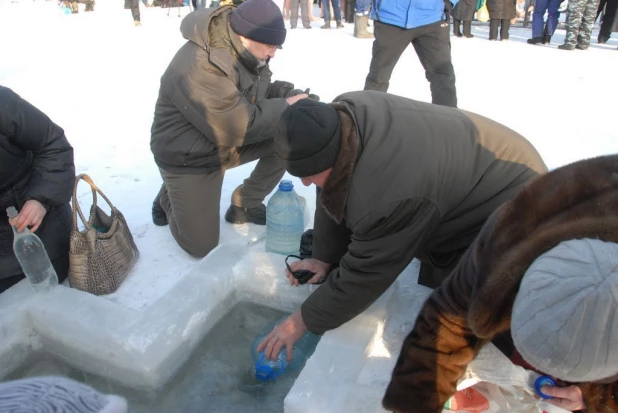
(474, 304)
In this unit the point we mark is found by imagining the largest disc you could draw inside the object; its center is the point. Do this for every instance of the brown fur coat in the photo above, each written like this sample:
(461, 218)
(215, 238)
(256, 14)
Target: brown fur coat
(474, 304)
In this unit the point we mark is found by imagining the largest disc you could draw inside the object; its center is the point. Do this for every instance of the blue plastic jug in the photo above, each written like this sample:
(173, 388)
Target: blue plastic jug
(285, 220)
(266, 370)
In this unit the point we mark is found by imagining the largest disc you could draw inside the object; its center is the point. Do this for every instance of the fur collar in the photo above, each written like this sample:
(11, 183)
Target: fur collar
(335, 192)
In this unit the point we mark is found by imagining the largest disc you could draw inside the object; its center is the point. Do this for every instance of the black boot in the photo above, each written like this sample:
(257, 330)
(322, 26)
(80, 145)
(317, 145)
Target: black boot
(238, 215)
(602, 39)
(535, 40)
(546, 39)
(159, 218)
(468, 29)
(456, 25)
(326, 25)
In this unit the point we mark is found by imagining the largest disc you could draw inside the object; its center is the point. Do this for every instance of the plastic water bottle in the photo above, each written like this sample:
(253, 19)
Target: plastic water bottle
(33, 258)
(266, 370)
(285, 220)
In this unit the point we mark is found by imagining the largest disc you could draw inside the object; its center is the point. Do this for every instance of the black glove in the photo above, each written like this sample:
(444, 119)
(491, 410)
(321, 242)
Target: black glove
(311, 96)
(280, 89)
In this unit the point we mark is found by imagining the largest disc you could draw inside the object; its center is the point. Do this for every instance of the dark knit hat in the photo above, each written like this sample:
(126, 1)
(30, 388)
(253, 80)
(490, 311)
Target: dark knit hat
(308, 137)
(259, 20)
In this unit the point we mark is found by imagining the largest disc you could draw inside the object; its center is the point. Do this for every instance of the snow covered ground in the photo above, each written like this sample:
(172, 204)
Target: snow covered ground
(97, 76)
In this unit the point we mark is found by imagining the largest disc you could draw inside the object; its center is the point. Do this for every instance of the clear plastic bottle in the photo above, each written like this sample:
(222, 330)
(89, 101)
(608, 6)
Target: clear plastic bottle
(266, 370)
(33, 258)
(285, 220)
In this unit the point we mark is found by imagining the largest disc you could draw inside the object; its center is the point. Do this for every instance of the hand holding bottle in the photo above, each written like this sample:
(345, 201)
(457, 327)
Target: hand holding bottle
(285, 334)
(31, 214)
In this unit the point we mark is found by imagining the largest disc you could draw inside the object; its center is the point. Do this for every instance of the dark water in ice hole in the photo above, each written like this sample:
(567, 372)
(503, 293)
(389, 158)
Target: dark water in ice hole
(218, 377)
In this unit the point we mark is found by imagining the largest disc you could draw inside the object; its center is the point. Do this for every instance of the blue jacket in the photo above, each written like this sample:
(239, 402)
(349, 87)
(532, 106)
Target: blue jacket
(409, 13)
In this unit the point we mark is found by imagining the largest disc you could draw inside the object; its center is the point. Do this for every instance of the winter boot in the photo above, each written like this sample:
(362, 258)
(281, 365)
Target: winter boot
(565, 47)
(340, 25)
(360, 27)
(326, 25)
(467, 29)
(546, 39)
(535, 40)
(239, 215)
(159, 218)
(602, 39)
(456, 25)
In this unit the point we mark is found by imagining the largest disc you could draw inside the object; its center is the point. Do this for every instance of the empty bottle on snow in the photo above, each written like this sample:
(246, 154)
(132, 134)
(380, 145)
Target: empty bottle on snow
(285, 220)
(33, 258)
(266, 370)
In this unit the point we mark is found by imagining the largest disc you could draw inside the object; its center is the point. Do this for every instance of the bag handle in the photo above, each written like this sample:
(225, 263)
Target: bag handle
(77, 209)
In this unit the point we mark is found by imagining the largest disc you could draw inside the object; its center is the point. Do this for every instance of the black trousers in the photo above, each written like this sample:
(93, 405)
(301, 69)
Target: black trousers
(505, 25)
(135, 10)
(432, 44)
(609, 17)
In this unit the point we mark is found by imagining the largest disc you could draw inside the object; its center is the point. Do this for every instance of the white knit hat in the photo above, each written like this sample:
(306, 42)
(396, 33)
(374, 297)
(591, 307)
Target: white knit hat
(57, 395)
(564, 319)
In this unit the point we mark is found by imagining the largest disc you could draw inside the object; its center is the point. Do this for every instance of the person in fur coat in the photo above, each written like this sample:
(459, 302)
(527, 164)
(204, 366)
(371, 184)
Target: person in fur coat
(541, 282)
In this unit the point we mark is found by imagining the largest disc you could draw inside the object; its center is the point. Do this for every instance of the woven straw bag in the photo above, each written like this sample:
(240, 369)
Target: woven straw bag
(103, 253)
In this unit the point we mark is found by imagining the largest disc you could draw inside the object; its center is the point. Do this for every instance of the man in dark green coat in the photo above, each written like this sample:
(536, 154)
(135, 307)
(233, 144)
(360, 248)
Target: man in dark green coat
(399, 179)
(217, 109)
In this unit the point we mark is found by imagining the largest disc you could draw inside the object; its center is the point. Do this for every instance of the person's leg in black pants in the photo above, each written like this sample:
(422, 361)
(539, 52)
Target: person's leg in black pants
(389, 44)
(433, 47)
(504, 29)
(493, 29)
(609, 20)
(135, 12)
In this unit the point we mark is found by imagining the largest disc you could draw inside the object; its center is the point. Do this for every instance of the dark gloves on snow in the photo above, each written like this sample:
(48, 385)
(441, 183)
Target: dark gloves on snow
(282, 89)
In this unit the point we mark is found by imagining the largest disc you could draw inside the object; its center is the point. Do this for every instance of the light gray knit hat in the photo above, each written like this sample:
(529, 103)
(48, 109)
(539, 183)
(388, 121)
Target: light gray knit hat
(52, 394)
(564, 319)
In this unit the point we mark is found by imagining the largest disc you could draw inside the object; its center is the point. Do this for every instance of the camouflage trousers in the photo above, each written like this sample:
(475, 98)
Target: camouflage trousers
(580, 22)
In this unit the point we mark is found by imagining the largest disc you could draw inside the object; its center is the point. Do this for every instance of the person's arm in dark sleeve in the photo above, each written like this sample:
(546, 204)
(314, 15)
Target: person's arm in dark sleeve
(218, 109)
(382, 245)
(53, 170)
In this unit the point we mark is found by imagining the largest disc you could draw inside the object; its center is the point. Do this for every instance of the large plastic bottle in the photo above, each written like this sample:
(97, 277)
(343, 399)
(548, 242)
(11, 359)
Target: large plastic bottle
(285, 220)
(33, 258)
(266, 370)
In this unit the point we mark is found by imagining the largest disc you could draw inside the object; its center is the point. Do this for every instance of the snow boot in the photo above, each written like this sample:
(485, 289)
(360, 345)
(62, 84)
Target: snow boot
(340, 25)
(360, 27)
(326, 25)
(546, 39)
(535, 40)
(159, 217)
(239, 215)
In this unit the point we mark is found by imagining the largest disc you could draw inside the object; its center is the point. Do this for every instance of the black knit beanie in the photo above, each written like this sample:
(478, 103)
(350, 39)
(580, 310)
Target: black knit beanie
(308, 137)
(259, 20)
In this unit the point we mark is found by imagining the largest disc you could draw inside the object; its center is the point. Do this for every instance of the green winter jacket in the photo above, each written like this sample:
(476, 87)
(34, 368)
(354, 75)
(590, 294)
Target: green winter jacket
(213, 97)
(411, 179)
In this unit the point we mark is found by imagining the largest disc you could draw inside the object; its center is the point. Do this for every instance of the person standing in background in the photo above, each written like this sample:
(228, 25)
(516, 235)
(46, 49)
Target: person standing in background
(580, 22)
(500, 14)
(424, 24)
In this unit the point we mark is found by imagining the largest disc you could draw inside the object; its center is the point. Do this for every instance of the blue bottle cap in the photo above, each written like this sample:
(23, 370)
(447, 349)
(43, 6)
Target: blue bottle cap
(286, 186)
(543, 381)
(263, 372)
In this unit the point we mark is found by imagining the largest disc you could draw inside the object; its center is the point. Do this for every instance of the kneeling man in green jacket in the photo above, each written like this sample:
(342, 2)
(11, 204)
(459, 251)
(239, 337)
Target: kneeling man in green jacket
(399, 179)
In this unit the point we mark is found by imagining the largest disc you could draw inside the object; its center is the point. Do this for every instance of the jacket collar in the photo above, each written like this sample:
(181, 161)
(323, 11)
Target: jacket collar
(334, 195)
